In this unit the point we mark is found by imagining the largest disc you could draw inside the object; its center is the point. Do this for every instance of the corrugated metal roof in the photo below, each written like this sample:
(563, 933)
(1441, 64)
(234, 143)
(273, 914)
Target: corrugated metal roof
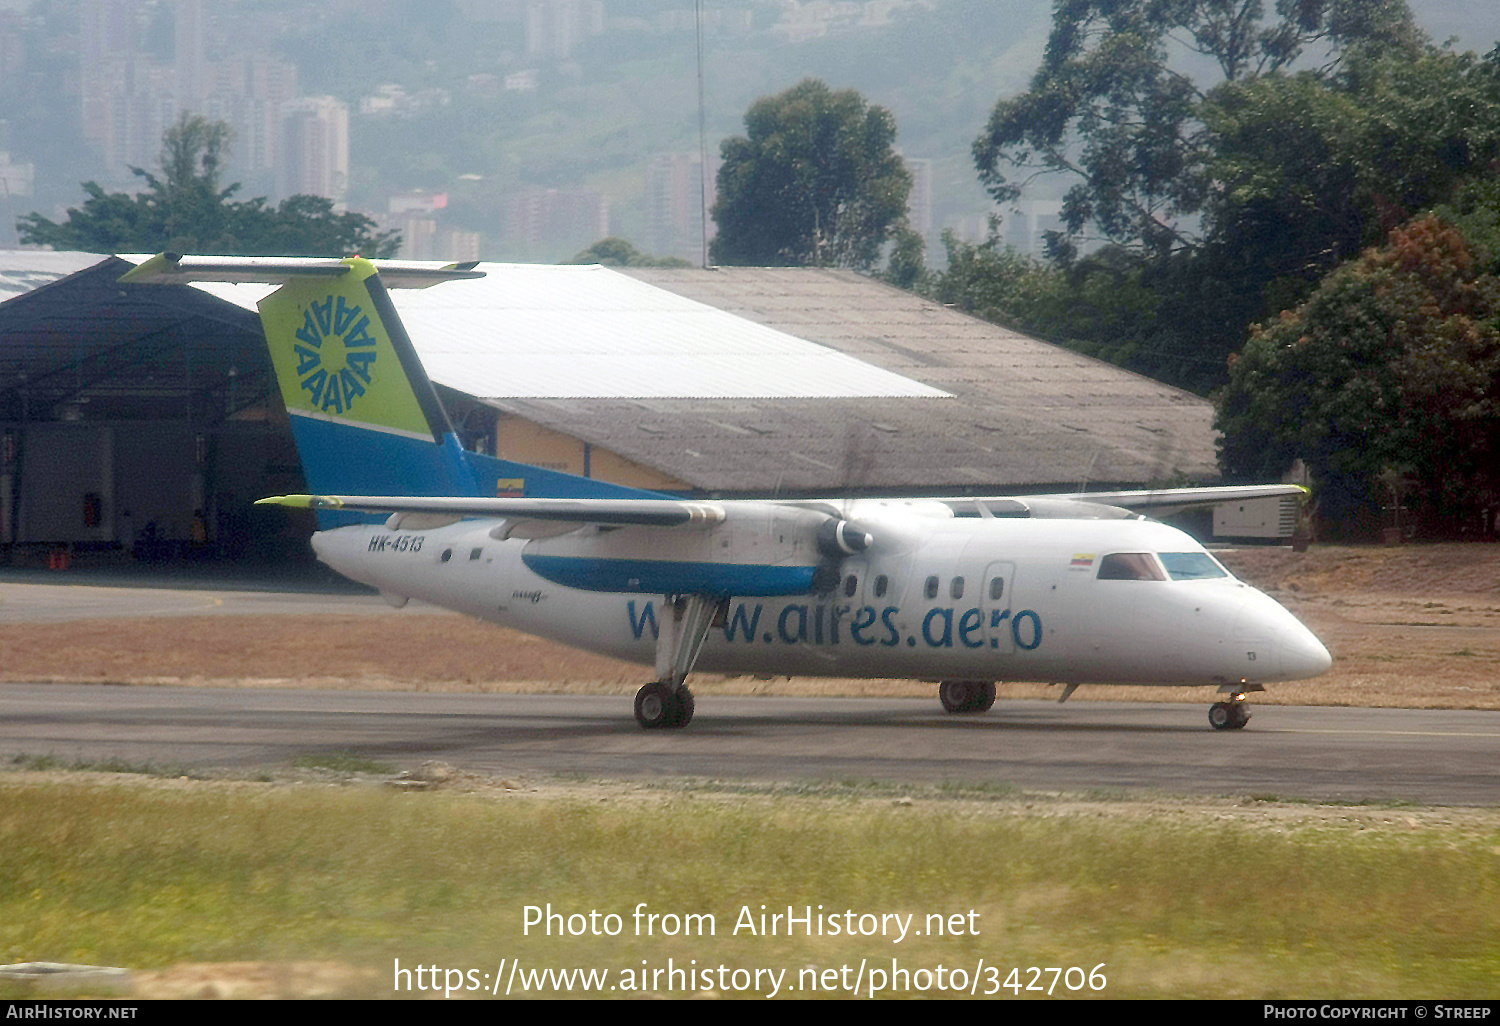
(1025, 414)
(22, 270)
(557, 332)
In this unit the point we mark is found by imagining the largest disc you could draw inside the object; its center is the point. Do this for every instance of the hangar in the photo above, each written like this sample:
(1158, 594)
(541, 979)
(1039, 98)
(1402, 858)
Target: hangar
(146, 420)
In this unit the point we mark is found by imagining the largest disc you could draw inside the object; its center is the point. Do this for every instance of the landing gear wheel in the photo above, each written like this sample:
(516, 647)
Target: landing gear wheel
(955, 695)
(1228, 715)
(985, 697)
(966, 696)
(684, 707)
(657, 706)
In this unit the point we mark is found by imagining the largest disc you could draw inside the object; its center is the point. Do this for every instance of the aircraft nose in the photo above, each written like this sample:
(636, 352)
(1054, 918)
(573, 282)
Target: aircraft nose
(1305, 656)
(1298, 654)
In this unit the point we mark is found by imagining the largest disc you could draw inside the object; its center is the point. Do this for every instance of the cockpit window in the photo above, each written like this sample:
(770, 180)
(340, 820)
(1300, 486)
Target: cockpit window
(1130, 566)
(1192, 566)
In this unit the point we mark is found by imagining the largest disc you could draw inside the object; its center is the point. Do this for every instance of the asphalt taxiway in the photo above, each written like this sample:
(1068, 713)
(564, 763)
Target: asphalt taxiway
(1446, 757)
(1440, 757)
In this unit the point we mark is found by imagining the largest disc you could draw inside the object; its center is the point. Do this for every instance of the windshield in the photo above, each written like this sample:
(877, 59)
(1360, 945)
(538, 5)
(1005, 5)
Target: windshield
(1129, 566)
(1191, 566)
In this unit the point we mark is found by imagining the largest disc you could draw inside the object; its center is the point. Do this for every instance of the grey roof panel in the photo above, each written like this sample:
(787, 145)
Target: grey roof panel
(1025, 414)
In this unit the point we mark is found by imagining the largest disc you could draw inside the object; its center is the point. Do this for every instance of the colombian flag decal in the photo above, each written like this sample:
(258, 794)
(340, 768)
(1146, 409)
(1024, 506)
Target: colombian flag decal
(1082, 561)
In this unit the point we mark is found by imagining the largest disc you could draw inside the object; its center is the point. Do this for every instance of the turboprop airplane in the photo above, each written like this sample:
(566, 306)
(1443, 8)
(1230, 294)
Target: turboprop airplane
(964, 592)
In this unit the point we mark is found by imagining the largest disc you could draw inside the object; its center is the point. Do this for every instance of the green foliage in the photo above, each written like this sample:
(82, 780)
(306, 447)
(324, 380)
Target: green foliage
(188, 211)
(814, 182)
(1390, 369)
(1109, 109)
(1107, 305)
(149, 877)
(617, 252)
(1226, 200)
(907, 267)
(1475, 210)
(1313, 170)
(993, 281)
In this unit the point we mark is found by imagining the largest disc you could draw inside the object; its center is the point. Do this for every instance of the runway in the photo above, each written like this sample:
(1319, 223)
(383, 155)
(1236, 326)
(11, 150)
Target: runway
(1437, 757)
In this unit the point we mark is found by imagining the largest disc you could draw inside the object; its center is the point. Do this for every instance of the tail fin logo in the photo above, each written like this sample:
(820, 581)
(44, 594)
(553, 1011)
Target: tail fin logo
(335, 354)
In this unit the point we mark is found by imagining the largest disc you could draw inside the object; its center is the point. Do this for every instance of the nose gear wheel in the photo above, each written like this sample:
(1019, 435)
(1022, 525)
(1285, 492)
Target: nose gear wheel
(1229, 715)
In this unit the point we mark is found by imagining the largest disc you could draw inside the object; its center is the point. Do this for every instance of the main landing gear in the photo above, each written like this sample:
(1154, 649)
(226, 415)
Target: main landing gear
(666, 702)
(1235, 713)
(657, 705)
(967, 696)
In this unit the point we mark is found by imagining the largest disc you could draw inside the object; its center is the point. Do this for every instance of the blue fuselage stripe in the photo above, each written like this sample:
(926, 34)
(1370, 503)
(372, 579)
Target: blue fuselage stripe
(671, 577)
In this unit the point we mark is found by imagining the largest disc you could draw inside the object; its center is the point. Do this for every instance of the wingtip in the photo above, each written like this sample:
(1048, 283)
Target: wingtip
(151, 268)
(301, 501)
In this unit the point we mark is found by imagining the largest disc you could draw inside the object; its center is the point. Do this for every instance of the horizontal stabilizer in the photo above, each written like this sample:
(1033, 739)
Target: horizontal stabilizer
(176, 269)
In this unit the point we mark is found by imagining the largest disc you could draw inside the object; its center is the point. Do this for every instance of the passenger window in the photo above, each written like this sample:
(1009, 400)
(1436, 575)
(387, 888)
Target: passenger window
(1130, 566)
(447, 555)
(956, 589)
(881, 584)
(851, 585)
(997, 588)
(931, 589)
(475, 553)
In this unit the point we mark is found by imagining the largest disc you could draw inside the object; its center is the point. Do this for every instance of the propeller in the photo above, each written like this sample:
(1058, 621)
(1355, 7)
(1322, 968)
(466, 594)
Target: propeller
(837, 539)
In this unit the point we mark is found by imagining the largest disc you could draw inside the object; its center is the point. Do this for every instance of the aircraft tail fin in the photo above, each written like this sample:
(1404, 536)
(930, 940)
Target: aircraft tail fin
(365, 416)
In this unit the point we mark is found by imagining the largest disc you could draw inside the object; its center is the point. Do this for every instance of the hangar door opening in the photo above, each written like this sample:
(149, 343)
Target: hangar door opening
(94, 483)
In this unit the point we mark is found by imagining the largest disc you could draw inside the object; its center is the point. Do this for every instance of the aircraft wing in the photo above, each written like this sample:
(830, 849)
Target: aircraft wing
(684, 512)
(1251, 511)
(698, 562)
(1157, 502)
(613, 512)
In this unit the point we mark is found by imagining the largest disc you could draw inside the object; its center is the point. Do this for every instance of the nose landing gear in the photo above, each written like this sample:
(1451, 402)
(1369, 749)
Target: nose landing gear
(1235, 713)
(1231, 715)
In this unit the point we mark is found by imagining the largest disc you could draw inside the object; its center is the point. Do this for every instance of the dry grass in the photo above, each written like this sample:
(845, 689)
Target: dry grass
(1415, 626)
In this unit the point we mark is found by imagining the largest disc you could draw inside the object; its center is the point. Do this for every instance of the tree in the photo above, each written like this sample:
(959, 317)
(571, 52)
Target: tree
(995, 282)
(1113, 107)
(617, 252)
(1390, 370)
(1312, 171)
(187, 210)
(814, 182)
(1230, 156)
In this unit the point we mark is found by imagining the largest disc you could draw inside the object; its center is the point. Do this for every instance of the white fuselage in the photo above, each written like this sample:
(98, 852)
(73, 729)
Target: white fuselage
(935, 598)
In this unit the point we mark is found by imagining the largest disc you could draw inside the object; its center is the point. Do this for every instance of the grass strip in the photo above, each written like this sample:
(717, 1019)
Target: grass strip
(1178, 904)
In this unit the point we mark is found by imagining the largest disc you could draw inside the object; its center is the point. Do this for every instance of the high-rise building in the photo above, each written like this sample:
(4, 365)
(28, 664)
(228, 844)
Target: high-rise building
(675, 205)
(189, 60)
(128, 100)
(112, 76)
(561, 219)
(919, 200)
(314, 157)
(12, 52)
(555, 28)
(249, 92)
